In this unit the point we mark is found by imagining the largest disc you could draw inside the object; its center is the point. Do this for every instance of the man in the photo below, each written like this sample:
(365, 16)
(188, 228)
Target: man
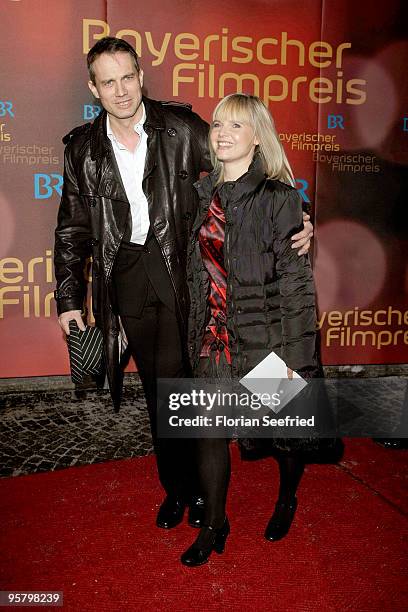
(128, 200)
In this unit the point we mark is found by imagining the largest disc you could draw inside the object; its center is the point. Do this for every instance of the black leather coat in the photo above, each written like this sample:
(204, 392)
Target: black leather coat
(94, 211)
(270, 289)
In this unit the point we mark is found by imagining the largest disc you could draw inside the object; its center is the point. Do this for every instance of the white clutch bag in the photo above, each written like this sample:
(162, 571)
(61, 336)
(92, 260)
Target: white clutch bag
(270, 377)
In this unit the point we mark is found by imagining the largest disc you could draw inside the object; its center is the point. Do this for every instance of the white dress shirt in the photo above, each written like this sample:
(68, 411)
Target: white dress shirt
(131, 167)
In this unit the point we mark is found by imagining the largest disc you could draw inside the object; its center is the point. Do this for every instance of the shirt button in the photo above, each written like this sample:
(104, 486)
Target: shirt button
(171, 132)
(146, 249)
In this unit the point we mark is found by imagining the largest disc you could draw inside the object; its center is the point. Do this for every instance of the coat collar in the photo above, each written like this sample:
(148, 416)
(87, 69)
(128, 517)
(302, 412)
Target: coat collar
(246, 184)
(100, 144)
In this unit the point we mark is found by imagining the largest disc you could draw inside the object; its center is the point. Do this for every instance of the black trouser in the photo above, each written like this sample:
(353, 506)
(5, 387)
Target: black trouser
(156, 346)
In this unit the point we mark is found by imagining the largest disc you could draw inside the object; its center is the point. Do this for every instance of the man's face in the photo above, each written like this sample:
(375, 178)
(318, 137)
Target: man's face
(118, 85)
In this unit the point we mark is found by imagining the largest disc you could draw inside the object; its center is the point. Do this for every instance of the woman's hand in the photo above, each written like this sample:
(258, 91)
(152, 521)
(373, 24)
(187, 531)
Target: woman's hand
(302, 239)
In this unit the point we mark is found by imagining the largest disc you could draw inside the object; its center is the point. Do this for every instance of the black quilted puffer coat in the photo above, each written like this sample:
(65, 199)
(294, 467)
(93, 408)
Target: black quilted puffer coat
(270, 289)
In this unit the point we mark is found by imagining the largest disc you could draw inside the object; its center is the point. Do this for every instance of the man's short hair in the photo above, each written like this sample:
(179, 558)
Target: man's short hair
(109, 44)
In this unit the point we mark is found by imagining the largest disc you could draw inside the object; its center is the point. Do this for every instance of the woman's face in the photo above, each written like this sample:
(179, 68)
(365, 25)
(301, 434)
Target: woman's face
(233, 140)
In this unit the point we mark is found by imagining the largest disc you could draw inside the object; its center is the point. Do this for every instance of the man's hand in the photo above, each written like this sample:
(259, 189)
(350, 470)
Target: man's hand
(290, 373)
(302, 240)
(71, 315)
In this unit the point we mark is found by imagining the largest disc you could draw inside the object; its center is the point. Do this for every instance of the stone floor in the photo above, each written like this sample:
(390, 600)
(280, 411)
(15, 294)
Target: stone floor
(43, 429)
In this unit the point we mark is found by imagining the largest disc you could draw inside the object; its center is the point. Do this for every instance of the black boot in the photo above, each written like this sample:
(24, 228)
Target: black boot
(281, 520)
(209, 539)
(196, 511)
(171, 513)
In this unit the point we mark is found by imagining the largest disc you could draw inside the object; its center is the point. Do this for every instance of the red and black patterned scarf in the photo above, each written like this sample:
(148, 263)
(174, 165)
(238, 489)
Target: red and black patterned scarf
(211, 240)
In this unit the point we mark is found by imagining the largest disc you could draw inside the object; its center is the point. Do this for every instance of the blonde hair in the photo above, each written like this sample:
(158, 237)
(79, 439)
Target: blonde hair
(244, 107)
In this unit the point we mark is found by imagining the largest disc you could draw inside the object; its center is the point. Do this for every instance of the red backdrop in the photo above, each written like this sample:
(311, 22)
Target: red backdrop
(333, 74)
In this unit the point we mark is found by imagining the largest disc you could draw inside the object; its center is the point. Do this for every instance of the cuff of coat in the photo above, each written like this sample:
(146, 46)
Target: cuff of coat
(69, 302)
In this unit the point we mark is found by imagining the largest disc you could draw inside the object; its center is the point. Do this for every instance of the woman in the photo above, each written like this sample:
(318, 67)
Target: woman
(250, 291)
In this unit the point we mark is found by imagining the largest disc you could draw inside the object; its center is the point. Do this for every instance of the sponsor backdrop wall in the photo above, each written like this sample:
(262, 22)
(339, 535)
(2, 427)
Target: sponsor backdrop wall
(334, 76)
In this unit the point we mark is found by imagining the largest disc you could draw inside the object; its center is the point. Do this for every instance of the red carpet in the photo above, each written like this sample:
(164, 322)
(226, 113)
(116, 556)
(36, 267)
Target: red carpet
(90, 532)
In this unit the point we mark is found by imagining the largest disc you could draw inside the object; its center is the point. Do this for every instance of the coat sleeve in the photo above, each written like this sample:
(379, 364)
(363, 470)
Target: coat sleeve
(72, 241)
(199, 132)
(206, 165)
(200, 129)
(296, 286)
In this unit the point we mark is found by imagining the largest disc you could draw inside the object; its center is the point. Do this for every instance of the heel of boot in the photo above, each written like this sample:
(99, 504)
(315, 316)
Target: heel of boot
(221, 537)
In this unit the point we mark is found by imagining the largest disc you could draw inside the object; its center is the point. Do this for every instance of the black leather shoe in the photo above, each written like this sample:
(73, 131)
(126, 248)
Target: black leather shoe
(209, 539)
(281, 520)
(171, 513)
(196, 511)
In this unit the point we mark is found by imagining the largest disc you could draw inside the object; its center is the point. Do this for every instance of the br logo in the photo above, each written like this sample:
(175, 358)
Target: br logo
(335, 121)
(302, 189)
(91, 111)
(46, 184)
(6, 108)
